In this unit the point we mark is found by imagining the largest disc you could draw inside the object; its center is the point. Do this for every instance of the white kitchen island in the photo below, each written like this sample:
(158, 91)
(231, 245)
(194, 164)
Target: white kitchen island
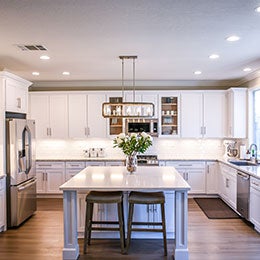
(117, 178)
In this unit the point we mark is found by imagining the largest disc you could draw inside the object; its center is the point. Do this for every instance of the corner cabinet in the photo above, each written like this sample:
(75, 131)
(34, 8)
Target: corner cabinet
(16, 92)
(169, 115)
(237, 112)
(50, 112)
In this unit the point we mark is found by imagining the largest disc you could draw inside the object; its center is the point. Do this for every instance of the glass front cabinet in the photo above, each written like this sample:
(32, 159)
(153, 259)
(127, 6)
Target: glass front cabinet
(169, 110)
(115, 123)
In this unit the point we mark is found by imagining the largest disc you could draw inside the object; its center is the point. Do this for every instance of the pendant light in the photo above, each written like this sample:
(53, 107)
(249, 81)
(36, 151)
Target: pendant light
(128, 109)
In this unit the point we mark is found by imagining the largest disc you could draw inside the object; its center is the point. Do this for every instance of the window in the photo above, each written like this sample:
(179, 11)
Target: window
(256, 117)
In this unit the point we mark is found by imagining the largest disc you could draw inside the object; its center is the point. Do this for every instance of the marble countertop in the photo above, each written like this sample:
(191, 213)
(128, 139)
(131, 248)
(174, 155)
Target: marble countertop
(118, 178)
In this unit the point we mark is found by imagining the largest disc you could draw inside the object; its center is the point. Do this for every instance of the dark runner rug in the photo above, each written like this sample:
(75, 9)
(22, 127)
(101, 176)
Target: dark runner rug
(215, 208)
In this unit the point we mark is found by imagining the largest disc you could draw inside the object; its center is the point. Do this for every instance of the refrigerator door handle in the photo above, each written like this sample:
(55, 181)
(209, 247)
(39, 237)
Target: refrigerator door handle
(27, 144)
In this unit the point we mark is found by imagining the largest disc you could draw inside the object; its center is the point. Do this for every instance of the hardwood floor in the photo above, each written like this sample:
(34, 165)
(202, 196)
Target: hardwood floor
(41, 238)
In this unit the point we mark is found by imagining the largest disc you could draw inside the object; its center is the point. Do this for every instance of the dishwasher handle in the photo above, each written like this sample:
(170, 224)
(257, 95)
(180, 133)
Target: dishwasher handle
(243, 175)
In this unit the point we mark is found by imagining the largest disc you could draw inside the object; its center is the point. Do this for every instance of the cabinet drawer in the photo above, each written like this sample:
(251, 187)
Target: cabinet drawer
(95, 163)
(255, 183)
(115, 163)
(73, 165)
(186, 164)
(50, 165)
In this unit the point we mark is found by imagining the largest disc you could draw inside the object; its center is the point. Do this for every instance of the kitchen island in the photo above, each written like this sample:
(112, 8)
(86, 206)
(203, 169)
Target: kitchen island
(117, 178)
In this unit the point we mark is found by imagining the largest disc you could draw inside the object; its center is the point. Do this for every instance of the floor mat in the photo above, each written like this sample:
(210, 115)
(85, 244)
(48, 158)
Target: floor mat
(215, 208)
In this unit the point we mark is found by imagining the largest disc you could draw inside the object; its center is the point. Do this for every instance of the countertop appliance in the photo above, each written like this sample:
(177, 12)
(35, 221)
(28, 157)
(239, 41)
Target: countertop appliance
(147, 160)
(20, 169)
(243, 191)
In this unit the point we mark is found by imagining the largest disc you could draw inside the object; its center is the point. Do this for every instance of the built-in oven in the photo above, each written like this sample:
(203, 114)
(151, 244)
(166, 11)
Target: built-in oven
(150, 126)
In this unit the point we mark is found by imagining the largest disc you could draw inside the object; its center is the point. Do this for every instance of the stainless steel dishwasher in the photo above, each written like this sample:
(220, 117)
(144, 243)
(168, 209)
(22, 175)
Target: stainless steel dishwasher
(243, 191)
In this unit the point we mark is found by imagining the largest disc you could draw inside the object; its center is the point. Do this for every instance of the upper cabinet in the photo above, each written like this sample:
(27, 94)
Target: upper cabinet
(203, 114)
(50, 112)
(85, 115)
(16, 92)
(237, 113)
(169, 111)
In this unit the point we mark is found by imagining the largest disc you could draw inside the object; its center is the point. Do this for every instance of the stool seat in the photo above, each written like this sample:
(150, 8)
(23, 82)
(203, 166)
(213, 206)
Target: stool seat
(146, 197)
(104, 197)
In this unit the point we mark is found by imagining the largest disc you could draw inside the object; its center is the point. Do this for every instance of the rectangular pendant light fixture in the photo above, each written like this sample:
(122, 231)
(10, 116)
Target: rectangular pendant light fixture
(128, 109)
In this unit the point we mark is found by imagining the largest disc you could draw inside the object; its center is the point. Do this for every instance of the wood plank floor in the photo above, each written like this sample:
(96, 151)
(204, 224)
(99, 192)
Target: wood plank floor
(41, 238)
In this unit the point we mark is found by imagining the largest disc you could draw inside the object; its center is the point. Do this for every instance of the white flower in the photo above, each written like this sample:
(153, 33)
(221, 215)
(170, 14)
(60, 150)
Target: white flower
(133, 135)
(150, 137)
(119, 140)
(144, 135)
(122, 136)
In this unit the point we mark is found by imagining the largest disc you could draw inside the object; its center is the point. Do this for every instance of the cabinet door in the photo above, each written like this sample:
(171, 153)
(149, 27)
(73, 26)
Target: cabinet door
(191, 115)
(40, 184)
(196, 179)
(16, 96)
(96, 122)
(2, 204)
(58, 116)
(215, 119)
(212, 178)
(78, 116)
(170, 212)
(55, 178)
(254, 203)
(39, 111)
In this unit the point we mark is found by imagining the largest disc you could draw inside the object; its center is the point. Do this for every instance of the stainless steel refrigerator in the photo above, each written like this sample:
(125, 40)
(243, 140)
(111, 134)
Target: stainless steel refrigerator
(20, 170)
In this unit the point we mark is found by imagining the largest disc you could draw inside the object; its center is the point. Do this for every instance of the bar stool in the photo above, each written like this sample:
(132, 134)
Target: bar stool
(146, 198)
(104, 198)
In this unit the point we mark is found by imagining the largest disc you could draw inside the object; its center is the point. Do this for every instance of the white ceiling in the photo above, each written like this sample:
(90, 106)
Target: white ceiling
(172, 39)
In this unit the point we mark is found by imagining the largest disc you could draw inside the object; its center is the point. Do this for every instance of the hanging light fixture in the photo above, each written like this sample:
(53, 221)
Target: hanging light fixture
(128, 109)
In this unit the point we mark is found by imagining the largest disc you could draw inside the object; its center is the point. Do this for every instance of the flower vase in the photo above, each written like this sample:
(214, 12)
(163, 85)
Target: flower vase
(131, 163)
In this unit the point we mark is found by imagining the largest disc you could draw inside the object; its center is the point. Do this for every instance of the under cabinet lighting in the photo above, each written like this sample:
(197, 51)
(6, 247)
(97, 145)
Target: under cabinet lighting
(35, 73)
(247, 69)
(257, 9)
(214, 56)
(197, 72)
(66, 73)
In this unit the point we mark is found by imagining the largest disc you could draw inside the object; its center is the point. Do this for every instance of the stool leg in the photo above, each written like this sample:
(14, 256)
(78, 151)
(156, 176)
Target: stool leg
(121, 226)
(90, 222)
(164, 229)
(87, 218)
(129, 225)
(122, 206)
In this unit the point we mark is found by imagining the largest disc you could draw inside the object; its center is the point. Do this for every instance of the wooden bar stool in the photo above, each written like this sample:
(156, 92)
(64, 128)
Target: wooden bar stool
(104, 198)
(146, 198)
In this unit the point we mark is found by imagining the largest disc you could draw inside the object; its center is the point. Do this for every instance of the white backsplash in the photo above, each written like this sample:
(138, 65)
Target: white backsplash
(164, 148)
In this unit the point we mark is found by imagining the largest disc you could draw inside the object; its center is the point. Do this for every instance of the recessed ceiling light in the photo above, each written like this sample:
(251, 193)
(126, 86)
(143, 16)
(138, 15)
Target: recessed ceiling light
(66, 73)
(197, 72)
(247, 69)
(44, 57)
(257, 9)
(214, 56)
(35, 73)
(233, 38)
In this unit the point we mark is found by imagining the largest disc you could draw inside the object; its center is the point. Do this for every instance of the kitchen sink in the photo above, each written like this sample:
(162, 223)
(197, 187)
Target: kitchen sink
(242, 163)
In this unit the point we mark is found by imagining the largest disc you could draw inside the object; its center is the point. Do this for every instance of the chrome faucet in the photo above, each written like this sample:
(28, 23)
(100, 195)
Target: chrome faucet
(253, 153)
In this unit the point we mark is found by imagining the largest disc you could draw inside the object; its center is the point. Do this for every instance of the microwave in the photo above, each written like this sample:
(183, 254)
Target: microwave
(150, 126)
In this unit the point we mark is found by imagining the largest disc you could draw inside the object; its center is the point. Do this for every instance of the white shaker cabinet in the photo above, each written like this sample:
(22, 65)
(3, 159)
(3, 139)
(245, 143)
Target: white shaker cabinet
(193, 172)
(85, 115)
(237, 113)
(227, 182)
(72, 168)
(2, 204)
(212, 171)
(203, 114)
(16, 92)
(50, 176)
(255, 202)
(50, 112)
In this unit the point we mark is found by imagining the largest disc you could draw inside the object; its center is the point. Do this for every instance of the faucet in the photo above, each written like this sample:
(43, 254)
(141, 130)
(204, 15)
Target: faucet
(253, 153)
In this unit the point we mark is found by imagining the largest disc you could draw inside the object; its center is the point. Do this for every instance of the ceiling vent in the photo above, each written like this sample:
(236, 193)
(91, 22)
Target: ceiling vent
(31, 47)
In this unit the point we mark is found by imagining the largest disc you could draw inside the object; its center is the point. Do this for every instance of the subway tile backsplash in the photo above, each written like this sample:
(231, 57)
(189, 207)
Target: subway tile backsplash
(164, 148)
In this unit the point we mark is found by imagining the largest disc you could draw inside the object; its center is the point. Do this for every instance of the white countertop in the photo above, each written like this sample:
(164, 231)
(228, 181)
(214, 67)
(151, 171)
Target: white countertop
(117, 178)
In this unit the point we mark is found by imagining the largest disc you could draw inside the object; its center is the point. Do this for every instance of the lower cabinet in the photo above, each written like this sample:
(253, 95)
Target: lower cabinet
(142, 213)
(255, 202)
(2, 204)
(227, 185)
(193, 172)
(212, 171)
(50, 176)
(72, 168)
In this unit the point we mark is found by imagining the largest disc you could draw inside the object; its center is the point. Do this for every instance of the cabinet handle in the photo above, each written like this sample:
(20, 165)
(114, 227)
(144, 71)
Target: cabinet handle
(47, 131)
(185, 165)
(205, 130)
(227, 183)
(201, 130)
(43, 174)
(187, 174)
(256, 184)
(19, 102)
(86, 131)
(50, 131)
(44, 165)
